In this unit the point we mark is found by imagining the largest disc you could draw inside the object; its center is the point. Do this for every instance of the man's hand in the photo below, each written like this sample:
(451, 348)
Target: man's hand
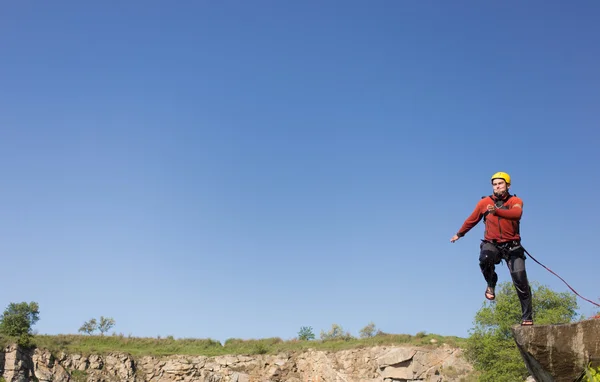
(454, 238)
(491, 209)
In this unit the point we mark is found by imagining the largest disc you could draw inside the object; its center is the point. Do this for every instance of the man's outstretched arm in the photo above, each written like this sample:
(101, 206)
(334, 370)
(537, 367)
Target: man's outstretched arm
(469, 223)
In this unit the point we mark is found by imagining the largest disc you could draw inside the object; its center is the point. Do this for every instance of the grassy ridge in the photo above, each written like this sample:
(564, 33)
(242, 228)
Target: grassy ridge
(139, 346)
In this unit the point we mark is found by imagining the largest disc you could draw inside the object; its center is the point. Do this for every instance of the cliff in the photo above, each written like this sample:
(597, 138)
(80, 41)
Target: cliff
(557, 353)
(376, 364)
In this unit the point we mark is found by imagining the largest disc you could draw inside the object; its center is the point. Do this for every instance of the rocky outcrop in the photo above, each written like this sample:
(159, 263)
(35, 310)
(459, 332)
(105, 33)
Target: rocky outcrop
(376, 364)
(557, 353)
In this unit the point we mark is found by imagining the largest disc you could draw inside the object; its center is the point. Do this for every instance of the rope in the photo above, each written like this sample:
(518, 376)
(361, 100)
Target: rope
(549, 270)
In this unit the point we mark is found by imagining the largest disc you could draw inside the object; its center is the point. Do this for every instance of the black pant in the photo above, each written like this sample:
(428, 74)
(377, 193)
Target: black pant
(492, 254)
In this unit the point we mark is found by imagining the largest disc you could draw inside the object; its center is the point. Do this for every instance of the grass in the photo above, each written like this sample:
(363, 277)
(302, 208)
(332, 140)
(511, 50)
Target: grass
(78, 375)
(139, 346)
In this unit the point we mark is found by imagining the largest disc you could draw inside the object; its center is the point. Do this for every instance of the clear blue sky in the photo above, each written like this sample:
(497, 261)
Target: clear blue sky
(219, 169)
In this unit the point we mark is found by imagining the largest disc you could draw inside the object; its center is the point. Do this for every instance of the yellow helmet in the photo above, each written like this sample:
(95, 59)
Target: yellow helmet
(501, 175)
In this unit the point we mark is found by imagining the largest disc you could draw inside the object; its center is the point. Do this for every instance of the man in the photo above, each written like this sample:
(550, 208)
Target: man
(502, 214)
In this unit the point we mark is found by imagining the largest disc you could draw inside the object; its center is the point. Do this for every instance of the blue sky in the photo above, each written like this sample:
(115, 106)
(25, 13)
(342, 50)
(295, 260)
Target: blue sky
(239, 169)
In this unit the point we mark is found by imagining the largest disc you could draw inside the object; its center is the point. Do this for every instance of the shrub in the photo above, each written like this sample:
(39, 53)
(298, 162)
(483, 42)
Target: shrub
(368, 331)
(592, 375)
(18, 319)
(335, 333)
(89, 327)
(105, 324)
(306, 333)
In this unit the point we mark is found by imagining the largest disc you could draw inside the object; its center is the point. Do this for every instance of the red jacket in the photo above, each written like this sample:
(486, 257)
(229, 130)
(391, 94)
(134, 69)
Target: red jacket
(502, 226)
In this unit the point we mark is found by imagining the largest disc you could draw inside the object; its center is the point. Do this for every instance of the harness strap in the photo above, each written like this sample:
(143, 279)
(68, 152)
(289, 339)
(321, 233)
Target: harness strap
(498, 203)
(505, 248)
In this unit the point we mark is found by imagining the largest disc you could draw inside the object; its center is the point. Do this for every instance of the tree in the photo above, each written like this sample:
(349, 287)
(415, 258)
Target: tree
(89, 327)
(335, 333)
(18, 319)
(491, 347)
(105, 324)
(368, 331)
(306, 333)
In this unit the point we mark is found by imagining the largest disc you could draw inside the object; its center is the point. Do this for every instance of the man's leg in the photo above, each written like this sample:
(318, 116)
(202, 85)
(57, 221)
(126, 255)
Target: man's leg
(516, 265)
(489, 256)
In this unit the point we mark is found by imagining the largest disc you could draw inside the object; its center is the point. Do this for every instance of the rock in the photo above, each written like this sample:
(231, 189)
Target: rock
(374, 364)
(18, 367)
(557, 353)
(396, 357)
(120, 365)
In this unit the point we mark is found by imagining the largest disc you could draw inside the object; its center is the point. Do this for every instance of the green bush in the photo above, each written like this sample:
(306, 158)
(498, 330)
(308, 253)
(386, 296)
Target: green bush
(89, 327)
(335, 333)
(592, 375)
(306, 333)
(260, 348)
(368, 331)
(105, 324)
(18, 319)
